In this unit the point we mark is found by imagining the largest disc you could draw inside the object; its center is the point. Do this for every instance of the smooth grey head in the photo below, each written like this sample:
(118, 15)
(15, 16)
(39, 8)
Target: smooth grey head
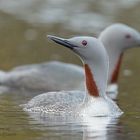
(88, 48)
(120, 34)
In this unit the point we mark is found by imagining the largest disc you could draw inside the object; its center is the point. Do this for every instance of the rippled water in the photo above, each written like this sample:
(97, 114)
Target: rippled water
(23, 28)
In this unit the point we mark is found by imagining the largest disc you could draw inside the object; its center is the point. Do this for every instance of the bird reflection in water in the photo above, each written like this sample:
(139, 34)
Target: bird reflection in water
(87, 128)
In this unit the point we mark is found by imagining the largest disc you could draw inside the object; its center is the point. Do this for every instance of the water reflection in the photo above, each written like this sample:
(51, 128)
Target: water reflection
(97, 128)
(85, 128)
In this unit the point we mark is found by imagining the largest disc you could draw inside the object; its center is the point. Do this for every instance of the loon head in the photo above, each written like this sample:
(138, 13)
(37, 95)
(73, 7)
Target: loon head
(120, 34)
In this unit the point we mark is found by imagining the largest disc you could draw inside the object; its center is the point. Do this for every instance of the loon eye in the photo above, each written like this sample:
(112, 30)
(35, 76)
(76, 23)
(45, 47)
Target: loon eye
(128, 36)
(84, 42)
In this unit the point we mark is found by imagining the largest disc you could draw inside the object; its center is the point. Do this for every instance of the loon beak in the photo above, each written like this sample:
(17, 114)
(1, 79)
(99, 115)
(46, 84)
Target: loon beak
(62, 41)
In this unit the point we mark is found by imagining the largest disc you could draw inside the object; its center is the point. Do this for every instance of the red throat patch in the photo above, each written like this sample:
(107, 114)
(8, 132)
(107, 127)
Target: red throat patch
(90, 83)
(115, 74)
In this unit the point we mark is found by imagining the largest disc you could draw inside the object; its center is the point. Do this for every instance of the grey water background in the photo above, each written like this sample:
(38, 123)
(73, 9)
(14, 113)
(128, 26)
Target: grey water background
(24, 25)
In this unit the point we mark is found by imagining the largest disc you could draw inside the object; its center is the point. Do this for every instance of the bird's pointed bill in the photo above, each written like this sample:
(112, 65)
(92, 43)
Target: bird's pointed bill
(62, 41)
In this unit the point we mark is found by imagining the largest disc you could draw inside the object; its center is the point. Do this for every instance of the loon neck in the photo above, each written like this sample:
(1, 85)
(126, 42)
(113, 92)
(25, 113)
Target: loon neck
(115, 72)
(96, 79)
(90, 82)
(115, 53)
(115, 58)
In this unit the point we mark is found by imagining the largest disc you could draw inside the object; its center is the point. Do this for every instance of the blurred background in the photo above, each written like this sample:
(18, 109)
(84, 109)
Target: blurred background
(24, 25)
